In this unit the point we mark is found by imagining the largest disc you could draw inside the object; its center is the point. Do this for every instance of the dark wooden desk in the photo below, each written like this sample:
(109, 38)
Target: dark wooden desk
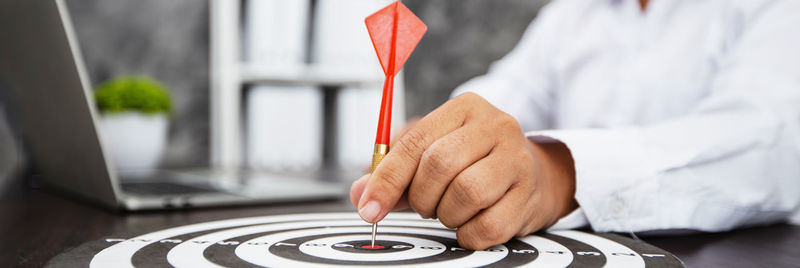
(37, 225)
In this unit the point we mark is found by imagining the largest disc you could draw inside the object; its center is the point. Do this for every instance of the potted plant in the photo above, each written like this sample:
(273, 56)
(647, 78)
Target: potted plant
(133, 121)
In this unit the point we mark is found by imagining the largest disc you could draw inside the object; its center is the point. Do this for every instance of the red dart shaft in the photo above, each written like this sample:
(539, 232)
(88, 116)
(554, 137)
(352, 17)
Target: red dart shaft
(385, 118)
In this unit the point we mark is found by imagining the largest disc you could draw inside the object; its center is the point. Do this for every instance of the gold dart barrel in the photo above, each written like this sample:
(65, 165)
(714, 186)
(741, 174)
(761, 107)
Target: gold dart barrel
(377, 156)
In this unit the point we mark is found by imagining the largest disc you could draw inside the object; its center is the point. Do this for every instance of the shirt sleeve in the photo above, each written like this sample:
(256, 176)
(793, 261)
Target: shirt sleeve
(734, 161)
(520, 83)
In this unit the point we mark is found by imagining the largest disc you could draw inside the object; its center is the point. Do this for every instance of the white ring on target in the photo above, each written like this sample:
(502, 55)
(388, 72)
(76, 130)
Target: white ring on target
(545, 247)
(418, 251)
(617, 255)
(255, 250)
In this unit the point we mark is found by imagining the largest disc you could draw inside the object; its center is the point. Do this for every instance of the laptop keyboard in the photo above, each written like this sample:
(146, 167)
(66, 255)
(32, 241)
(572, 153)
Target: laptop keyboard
(163, 188)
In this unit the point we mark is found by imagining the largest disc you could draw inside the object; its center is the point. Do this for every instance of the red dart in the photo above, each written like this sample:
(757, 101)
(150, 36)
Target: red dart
(395, 32)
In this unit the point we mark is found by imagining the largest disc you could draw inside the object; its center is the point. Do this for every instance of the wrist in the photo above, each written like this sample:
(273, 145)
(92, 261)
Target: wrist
(558, 168)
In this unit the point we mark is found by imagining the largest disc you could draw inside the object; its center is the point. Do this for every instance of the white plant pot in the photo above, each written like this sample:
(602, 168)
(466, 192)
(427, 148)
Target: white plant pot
(135, 141)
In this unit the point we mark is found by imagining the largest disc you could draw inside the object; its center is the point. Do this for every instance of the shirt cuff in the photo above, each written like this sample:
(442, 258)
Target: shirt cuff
(575, 219)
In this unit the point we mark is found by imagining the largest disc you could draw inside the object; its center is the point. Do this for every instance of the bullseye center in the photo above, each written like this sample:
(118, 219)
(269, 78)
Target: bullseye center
(365, 246)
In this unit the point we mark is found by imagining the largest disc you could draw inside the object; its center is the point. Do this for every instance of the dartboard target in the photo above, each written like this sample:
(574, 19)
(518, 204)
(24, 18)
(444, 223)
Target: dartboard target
(343, 239)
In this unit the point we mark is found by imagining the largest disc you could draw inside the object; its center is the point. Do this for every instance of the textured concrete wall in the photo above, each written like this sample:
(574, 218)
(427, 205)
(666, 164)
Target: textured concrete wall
(463, 38)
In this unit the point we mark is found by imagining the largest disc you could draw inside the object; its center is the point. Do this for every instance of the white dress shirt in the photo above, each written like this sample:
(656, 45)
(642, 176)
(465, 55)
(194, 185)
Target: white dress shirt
(685, 116)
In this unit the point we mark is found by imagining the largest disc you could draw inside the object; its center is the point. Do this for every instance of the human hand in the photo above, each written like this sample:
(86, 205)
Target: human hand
(470, 165)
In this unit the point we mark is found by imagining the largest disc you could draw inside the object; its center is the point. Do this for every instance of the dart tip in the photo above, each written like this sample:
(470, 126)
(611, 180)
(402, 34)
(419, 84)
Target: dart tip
(374, 231)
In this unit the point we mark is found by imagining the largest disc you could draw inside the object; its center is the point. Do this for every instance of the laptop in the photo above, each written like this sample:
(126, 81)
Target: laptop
(44, 79)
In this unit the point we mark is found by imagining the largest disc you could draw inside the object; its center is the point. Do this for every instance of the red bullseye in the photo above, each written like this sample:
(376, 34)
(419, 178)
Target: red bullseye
(372, 247)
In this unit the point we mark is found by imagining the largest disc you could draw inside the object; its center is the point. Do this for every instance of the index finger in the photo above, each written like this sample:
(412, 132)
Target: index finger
(393, 175)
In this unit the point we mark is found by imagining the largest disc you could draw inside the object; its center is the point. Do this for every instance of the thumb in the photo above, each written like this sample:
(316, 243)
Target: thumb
(383, 191)
(357, 188)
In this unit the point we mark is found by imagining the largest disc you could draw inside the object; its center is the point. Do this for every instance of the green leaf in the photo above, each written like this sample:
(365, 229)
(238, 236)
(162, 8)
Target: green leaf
(132, 93)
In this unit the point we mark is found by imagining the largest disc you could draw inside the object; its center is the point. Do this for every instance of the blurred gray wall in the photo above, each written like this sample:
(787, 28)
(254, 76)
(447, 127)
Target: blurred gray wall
(463, 38)
(169, 41)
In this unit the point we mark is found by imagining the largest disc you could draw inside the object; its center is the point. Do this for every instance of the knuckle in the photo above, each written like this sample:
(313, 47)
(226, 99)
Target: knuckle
(491, 230)
(506, 121)
(392, 178)
(448, 221)
(473, 97)
(468, 97)
(448, 218)
(468, 191)
(523, 156)
(469, 240)
(436, 161)
(525, 166)
(412, 142)
(421, 210)
(470, 102)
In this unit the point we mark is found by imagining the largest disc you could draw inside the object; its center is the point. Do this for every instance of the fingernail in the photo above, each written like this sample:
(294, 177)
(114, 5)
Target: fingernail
(370, 211)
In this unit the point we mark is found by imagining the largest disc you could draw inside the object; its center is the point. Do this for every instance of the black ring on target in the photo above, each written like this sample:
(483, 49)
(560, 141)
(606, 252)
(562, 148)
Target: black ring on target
(294, 253)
